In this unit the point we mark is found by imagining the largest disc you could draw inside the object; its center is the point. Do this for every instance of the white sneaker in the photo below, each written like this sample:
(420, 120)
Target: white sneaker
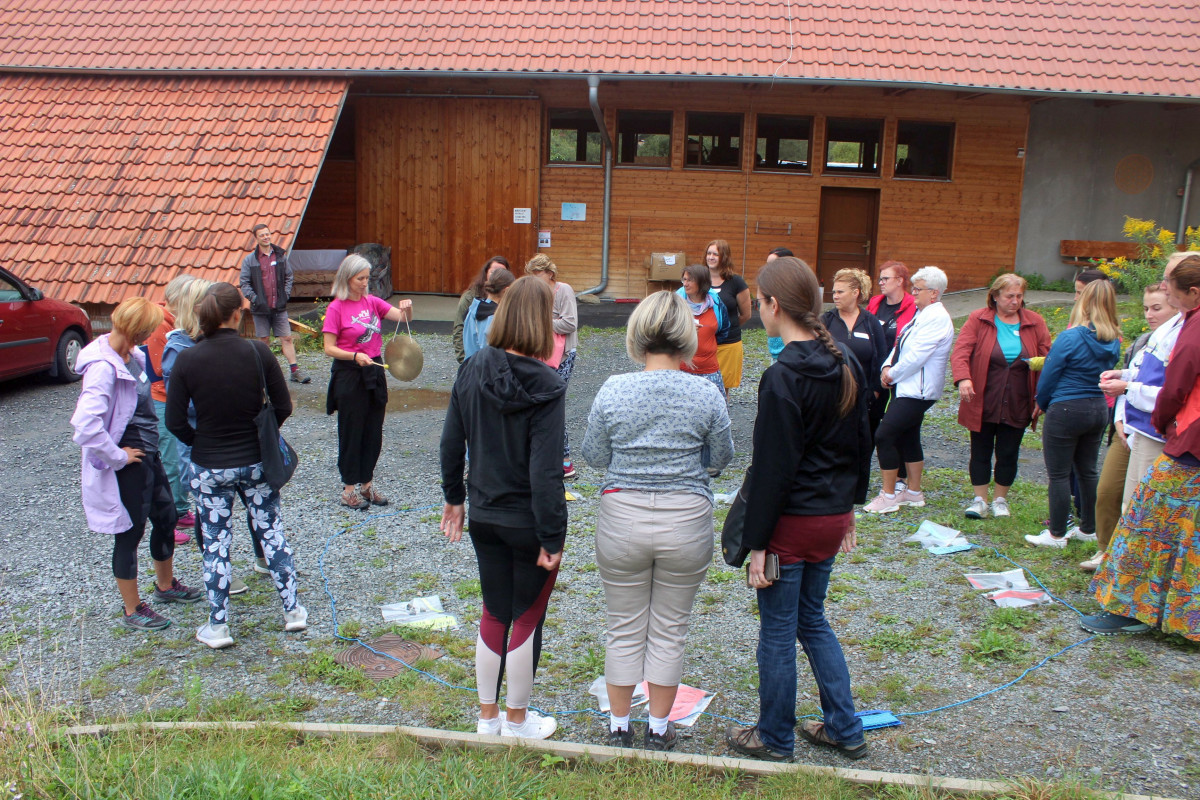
(910, 498)
(215, 636)
(1093, 563)
(1000, 507)
(296, 619)
(535, 726)
(260, 566)
(488, 727)
(882, 504)
(901, 487)
(1045, 539)
(977, 509)
(1075, 533)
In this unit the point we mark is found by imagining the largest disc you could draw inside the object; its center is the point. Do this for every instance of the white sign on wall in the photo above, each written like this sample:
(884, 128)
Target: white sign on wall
(543, 238)
(522, 216)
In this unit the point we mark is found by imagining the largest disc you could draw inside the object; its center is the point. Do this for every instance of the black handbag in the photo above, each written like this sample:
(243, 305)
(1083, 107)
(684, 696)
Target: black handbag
(732, 548)
(278, 457)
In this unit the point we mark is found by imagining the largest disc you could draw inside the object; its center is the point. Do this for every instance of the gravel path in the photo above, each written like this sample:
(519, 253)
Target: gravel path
(1118, 714)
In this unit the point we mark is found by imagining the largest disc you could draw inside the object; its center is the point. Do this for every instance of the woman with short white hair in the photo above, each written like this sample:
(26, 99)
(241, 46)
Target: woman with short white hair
(655, 433)
(915, 371)
(353, 334)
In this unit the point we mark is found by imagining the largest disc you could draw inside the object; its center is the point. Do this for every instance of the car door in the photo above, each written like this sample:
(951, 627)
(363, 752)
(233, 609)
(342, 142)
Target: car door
(25, 344)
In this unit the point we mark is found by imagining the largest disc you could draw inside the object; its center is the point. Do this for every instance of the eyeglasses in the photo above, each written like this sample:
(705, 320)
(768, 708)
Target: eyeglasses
(919, 289)
(886, 278)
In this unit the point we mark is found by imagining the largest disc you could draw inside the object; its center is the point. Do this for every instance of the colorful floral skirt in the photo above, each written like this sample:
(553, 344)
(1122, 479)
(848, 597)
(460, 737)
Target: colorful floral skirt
(1152, 567)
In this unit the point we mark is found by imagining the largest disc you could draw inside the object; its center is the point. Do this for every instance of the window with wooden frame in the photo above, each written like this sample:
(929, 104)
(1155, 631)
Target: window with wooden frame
(644, 138)
(783, 143)
(574, 137)
(924, 149)
(714, 140)
(853, 146)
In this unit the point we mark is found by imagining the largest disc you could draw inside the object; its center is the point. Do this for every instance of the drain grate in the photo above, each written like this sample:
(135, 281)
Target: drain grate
(380, 668)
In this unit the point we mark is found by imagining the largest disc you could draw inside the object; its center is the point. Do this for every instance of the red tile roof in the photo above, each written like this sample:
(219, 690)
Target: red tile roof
(1116, 47)
(110, 186)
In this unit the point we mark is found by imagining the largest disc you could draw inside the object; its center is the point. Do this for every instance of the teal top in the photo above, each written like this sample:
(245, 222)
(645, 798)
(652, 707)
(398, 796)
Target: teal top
(1009, 337)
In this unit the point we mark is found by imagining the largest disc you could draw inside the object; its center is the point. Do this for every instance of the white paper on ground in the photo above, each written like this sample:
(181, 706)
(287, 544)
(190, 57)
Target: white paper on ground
(938, 539)
(420, 612)
(723, 498)
(599, 689)
(1012, 579)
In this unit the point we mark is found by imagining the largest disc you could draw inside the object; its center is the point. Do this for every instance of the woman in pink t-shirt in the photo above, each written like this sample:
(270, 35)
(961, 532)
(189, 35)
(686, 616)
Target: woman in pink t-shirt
(357, 383)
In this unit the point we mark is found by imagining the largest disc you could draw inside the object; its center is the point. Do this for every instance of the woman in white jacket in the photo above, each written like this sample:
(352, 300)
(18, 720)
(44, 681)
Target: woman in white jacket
(916, 372)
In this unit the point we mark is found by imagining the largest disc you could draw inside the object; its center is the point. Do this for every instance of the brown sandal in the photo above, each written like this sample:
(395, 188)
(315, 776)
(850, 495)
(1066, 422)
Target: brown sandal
(814, 732)
(369, 494)
(352, 499)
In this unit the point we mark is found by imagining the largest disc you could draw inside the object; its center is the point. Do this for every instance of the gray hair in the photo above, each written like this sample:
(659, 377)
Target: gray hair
(174, 290)
(934, 279)
(661, 324)
(351, 265)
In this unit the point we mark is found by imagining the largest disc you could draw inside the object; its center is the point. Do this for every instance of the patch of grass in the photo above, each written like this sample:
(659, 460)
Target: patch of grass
(320, 667)
(1136, 658)
(154, 680)
(468, 589)
(992, 645)
(351, 629)
(425, 582)
(720, 575)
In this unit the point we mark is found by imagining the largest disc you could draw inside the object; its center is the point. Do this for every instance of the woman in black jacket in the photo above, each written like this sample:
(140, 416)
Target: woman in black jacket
(510, 408)
(850, 323)
(810, 465)
(223, 376)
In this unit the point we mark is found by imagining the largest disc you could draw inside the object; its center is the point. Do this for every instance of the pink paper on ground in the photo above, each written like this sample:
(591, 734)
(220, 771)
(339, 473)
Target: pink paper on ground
(685, 700)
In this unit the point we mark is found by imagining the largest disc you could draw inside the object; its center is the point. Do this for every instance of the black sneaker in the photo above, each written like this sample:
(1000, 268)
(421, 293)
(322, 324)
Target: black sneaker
(145, 618)
(178, 593)
(664, 741)
(1108, 624)
(620, 738)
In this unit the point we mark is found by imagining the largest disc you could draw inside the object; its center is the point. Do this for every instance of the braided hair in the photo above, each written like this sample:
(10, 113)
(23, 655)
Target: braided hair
(794, 286)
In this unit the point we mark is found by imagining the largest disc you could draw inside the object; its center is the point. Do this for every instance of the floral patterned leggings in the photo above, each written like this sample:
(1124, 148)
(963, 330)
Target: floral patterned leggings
(215, 491)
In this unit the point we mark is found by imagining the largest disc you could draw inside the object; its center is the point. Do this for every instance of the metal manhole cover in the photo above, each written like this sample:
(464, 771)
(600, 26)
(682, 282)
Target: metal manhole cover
(379, 667)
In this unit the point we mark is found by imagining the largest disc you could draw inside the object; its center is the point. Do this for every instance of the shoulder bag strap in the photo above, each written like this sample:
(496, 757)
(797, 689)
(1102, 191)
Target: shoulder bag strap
(262, 377)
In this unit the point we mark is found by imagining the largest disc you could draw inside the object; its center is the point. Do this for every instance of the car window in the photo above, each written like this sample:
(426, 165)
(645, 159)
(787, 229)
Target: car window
(9, 293)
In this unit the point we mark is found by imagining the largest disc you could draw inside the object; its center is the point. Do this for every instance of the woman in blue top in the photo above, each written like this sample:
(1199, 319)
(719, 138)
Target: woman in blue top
(1076, 414)
(482, 311)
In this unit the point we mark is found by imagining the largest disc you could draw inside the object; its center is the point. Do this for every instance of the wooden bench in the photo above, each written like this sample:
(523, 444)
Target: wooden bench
(1079, 252)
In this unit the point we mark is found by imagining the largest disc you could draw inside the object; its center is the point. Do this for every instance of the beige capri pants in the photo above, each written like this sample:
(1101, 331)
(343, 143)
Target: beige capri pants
(652, 550)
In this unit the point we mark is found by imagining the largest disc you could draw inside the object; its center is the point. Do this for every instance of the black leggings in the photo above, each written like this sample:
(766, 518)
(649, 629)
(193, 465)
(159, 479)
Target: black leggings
(1005, 440)
(146, 495)
(515, 592)
(876, 410)
(898, 438)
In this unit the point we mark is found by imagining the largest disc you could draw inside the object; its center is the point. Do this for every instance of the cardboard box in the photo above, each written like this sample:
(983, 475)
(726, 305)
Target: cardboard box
(666, 266)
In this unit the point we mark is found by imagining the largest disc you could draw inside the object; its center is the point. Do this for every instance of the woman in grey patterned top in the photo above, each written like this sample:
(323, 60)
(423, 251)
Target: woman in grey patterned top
(657, 433)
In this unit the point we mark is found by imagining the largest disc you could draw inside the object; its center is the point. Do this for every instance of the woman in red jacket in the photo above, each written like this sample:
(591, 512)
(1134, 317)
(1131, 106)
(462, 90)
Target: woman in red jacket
(1150, 573)
(996, 388)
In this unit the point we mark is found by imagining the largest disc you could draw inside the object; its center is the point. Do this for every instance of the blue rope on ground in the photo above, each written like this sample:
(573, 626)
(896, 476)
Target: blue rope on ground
(593, 712)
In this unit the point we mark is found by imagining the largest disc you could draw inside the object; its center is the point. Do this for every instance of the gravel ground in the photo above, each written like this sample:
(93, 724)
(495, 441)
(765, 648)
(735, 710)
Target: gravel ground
(1118, 714)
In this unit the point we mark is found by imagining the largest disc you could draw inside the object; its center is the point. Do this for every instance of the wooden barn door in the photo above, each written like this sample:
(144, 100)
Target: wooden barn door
(846, 237)
(438, 180)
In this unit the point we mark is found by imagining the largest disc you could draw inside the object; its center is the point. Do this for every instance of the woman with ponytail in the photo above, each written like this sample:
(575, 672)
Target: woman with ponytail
(810, 465)
(223, 377)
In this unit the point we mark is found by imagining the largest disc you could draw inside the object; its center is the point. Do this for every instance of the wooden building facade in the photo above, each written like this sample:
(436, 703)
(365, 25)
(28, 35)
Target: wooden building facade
(441, 170)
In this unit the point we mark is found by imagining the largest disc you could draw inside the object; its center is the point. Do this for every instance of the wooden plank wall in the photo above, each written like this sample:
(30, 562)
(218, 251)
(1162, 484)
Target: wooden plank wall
(437, 179)
(967, 225)
(330, 220)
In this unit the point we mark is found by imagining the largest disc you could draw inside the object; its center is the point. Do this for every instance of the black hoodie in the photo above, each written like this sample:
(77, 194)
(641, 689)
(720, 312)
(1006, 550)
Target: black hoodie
(807, 460)
(511, 410)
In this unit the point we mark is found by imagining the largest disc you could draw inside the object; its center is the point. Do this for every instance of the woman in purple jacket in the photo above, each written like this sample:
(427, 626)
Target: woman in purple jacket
(124, 483)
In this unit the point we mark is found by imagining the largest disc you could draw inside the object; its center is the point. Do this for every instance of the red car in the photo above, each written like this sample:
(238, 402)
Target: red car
(37, 333)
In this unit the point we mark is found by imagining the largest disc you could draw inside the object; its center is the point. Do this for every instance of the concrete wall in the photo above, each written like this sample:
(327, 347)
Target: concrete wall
(1071, 159)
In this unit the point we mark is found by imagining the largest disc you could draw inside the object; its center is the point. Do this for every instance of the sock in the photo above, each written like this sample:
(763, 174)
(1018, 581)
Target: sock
(294, 367)
(616, 723)
(658, 725)
(889, 495)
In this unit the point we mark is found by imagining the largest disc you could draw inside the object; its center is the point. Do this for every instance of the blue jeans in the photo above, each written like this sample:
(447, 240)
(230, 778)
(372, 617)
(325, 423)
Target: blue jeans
(791, 609)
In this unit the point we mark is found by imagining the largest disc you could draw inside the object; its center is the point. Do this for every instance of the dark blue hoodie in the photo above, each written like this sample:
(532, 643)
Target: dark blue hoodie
(1073, 366)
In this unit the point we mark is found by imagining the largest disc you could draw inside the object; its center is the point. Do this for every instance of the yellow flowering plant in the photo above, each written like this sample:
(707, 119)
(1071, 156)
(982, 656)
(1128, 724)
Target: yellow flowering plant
(1154, 246)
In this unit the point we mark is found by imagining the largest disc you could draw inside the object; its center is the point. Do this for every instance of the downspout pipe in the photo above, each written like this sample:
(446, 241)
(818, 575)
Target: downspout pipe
(1187, 196)
(594, 102)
